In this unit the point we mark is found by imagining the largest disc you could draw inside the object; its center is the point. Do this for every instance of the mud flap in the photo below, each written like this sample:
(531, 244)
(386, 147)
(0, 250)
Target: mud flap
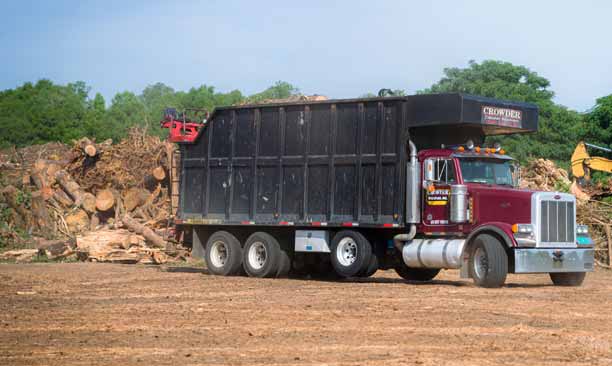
(197, 249)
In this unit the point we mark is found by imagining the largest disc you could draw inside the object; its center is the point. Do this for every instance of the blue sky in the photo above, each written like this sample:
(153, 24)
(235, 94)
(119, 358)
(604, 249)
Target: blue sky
(335, 48)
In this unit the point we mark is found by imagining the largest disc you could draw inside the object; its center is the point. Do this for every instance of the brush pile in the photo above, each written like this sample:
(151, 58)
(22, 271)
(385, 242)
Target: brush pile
(114, 195)
(592, 210)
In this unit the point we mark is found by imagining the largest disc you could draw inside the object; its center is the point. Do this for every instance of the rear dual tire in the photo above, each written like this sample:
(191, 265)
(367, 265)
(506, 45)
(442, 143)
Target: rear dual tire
(351, 254)
(223, 254)
(263, 257)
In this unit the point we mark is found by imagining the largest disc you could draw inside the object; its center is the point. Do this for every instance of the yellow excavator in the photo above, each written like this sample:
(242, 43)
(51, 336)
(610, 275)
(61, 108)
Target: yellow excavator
(582, 163)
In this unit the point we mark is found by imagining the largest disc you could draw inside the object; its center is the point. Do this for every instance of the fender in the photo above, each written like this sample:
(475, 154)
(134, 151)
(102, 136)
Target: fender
(504, 230)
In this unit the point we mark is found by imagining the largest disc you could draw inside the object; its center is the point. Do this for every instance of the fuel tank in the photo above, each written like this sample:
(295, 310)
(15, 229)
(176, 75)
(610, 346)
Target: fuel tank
(433, 253)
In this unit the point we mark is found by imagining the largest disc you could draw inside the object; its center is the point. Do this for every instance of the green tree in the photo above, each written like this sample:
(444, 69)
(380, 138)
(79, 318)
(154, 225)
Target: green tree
(559, 128)
(41, 112)
(126, 110)
(280, 90)
(599, 122)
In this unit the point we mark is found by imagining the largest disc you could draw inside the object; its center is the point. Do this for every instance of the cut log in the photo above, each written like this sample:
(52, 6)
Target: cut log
(39, 179)
(62, 198)
(22, 255)
(55, 249)
(134, 197)
(87, 146)
(77, 221)
(148, 234)
(40, 212)
(89, 202)
(159, 173)
(90, 150)
(108, 246)
(70, 186)
(105, 200)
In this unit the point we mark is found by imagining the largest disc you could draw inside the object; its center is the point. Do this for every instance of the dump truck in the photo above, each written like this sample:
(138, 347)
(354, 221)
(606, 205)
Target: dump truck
(346, 187)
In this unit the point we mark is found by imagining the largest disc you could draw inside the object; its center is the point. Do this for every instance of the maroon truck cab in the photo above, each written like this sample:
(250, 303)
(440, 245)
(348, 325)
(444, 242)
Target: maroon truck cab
(473, 215)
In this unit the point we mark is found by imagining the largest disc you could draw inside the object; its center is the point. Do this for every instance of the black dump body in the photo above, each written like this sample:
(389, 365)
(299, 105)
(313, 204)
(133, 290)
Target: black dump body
(334, 162)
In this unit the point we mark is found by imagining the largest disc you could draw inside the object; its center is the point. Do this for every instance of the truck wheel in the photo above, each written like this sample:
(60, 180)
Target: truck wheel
(372, 267)
(488, 262)
(350, 253)
(416, 274)
(223, 254)
(567, 279)
(261, 255)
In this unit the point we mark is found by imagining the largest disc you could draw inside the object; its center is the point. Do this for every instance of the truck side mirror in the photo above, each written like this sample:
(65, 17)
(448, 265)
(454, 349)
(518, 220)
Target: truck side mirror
(430, 170)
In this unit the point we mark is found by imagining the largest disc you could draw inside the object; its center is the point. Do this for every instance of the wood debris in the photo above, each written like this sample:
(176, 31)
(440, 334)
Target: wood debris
(69, 195)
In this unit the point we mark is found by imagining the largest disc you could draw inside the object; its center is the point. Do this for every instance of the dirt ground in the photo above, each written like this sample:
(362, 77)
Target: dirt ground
(95, 314)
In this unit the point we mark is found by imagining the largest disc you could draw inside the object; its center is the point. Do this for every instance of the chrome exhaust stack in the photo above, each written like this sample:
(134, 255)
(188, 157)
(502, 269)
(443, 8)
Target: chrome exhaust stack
(413, 198)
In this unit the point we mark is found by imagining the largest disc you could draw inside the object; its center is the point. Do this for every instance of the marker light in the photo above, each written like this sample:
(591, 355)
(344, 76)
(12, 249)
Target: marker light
(460, 149)
(502, 151)
(477, 149)
(469, 144)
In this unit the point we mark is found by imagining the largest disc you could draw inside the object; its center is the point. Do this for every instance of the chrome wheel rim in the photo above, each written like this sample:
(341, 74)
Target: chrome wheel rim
(346, 252)
(481, 263)
(218, 254)
(257, 255)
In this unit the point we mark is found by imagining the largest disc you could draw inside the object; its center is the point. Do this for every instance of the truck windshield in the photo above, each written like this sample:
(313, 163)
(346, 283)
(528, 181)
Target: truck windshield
(488, 171)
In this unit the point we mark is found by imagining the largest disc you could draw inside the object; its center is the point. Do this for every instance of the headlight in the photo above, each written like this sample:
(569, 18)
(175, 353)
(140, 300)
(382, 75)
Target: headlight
(582, 229)
(523, 234)
(522, 228)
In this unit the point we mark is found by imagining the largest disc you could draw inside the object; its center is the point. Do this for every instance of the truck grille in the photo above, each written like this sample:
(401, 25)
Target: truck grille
(557, 224)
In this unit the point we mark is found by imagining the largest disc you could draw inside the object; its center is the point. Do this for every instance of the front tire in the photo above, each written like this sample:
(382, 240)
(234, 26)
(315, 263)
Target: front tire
(261, 255)
(350, 253)
(223, 254)
(573, 279)
(488, 262)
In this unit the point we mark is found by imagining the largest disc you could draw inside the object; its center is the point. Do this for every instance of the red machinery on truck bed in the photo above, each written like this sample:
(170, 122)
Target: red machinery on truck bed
(351, 186)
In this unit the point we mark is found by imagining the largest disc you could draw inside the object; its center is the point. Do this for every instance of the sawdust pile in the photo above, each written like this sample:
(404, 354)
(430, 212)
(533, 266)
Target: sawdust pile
(61, 198)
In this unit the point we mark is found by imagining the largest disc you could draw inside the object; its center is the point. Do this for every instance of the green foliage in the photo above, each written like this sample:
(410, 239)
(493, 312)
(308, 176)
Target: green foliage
(559, 128)
(599, 123)
(280, 90)
(42, 112)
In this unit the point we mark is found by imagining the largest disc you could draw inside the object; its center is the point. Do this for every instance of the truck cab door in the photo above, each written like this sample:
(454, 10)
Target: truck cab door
(439, 174)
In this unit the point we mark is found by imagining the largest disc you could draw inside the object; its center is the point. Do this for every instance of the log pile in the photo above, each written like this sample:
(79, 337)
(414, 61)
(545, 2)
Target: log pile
(104, 192)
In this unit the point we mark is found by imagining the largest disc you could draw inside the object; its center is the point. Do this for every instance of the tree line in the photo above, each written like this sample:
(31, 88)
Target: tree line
(39, 112)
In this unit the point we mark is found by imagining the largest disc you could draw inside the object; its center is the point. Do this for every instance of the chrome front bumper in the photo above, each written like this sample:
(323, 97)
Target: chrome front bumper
(553, 260)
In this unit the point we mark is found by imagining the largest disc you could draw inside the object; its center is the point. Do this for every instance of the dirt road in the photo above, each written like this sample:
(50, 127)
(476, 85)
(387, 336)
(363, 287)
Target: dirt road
(94, 314)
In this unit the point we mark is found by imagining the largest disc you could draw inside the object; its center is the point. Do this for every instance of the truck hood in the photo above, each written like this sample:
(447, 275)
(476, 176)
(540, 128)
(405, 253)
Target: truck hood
(499, 203)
